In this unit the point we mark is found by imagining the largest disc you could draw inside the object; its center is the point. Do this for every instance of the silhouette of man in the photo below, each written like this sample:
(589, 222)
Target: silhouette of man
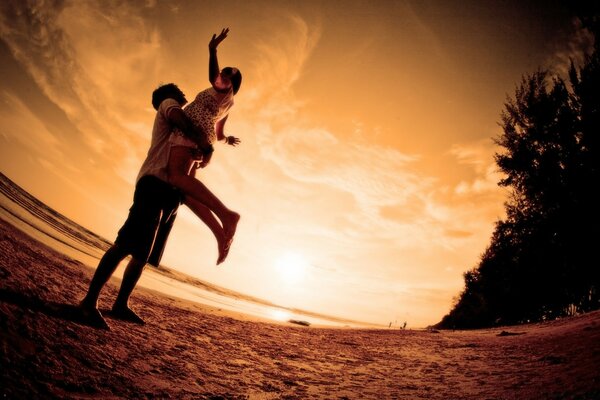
(155, 203)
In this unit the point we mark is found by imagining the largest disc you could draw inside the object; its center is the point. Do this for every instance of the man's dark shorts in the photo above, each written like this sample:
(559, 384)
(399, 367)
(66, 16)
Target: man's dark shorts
(145, 232)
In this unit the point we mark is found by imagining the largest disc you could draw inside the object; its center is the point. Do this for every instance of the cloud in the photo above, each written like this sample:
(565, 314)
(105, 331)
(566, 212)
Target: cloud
(480, 157)
(19, 124)
(374, 175)
(29, 29)
(572, 47)
(395, 204)
(279, 65)
(93, 78)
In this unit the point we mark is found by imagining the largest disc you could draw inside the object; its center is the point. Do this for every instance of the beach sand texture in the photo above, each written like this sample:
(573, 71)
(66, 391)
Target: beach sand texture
(189, 351)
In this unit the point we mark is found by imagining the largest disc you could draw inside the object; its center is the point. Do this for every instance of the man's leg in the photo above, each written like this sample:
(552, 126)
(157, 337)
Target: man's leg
(154, 199)
(164, 230)
(131, 276)
(107, 266)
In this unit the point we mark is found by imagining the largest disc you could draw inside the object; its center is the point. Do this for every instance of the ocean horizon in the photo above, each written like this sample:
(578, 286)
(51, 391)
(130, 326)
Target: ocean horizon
(35, 218)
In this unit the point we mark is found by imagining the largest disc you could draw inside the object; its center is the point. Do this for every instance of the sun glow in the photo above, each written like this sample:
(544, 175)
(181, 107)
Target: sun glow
(280, 315)
(292, 267)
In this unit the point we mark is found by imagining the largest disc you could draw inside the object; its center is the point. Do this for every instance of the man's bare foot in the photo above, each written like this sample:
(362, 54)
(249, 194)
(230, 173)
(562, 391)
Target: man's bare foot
(126, 314)
(91, 316)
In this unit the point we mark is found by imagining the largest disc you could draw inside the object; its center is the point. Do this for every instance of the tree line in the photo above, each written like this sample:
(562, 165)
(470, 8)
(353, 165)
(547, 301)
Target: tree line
(543, 261)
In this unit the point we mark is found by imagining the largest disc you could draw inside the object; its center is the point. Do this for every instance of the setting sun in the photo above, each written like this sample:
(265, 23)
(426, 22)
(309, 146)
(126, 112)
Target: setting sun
(280, 315)
(292, 267)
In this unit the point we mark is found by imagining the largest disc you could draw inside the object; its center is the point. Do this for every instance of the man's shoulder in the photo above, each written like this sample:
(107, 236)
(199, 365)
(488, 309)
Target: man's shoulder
(168, 104)
(166, 109)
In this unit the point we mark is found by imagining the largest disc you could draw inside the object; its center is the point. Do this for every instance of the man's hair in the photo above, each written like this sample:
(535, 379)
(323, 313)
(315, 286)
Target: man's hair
(168, 91)
(236, 79)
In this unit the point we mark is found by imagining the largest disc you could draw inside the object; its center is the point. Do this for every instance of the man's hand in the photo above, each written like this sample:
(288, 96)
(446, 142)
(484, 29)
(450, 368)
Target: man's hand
(178, 119)
(214, 42)
(205, 160)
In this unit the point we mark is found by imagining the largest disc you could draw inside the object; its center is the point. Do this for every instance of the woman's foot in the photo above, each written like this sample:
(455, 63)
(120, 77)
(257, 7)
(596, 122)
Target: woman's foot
(126, 314)
(224, 246)
(229, 227)
(223, 252)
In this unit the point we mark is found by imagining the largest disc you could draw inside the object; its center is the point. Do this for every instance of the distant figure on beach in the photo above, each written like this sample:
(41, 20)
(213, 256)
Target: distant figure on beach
(179, 146)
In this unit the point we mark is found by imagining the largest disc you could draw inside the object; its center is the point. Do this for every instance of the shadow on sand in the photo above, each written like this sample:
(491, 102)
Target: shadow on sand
(67, 312)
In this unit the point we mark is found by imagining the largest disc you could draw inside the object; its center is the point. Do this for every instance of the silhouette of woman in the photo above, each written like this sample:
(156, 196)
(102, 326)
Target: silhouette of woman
(209, 112)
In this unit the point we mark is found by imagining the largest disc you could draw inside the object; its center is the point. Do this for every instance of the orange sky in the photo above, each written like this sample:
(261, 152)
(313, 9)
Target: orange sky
(365, 178)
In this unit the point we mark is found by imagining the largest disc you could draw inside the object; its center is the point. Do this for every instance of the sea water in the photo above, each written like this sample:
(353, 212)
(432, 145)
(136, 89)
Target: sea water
(51, 228)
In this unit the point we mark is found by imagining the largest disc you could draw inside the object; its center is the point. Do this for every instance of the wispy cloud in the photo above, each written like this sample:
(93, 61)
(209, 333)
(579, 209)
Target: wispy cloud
(23, 126)
(280, 64)
(480, 157)
(572, 47)
(93, 78)
(394, 204)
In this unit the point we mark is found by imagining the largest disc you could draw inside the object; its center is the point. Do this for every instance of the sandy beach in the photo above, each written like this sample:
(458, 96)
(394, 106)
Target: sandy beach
(190, 351)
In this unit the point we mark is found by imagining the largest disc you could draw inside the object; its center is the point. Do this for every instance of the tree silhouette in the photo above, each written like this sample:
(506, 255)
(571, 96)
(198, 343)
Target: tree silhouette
(542, 261)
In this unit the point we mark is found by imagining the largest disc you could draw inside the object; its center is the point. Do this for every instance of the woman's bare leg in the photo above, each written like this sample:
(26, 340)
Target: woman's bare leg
(213, 224)
(179, 161)
(197, 195)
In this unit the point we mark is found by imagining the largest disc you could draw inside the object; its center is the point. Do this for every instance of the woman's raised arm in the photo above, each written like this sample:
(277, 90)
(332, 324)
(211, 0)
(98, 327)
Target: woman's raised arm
(213, 63)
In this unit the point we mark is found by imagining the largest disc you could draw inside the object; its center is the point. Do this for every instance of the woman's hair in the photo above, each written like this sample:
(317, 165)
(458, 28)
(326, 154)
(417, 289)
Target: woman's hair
(236, 78)
(168, 91)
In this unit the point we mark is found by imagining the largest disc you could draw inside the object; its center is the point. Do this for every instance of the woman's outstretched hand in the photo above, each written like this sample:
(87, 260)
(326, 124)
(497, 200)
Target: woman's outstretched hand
(214, 42)
(232, 140)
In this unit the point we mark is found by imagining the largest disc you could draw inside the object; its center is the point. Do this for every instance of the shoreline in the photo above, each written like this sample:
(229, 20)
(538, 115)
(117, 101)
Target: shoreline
(25, 212)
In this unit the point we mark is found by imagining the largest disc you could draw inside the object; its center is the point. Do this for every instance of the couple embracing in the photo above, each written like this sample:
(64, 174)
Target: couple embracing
(182, 141)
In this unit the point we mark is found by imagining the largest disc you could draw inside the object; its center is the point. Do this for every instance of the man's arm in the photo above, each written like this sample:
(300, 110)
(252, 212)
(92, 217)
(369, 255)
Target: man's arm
(177, 118)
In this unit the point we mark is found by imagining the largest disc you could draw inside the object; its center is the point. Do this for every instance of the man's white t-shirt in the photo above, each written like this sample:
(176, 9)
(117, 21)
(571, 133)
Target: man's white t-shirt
(158, 155)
